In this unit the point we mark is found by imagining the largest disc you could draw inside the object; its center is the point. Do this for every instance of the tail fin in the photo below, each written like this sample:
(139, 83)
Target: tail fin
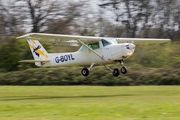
(38, 51)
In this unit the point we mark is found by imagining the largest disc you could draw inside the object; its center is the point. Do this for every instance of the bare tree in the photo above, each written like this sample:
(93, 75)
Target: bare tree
(129, 13)
(62, 25)
(147, 9)
(166, 18)
(38, 13)
(8, 22)
(110, 28)
(176, 18)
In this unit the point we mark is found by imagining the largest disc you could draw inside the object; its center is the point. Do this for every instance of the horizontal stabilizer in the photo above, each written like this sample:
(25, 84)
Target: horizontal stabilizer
(32, 61)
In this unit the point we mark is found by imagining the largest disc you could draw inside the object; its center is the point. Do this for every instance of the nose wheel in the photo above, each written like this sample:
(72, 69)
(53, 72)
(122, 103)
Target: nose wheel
(123, 70)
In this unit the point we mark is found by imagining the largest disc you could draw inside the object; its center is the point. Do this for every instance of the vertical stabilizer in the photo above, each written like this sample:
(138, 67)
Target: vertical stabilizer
(38, 51)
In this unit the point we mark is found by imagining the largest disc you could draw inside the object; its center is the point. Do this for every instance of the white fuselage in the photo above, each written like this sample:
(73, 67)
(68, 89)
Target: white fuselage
(84, 56)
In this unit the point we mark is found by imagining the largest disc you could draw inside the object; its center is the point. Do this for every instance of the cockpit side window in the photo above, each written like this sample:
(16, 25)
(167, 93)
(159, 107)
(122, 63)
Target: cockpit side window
(94, 45)
(105, 42)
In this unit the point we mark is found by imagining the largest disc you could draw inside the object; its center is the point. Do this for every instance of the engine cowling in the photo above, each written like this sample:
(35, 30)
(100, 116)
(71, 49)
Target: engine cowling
(130, 46)
(122, 51)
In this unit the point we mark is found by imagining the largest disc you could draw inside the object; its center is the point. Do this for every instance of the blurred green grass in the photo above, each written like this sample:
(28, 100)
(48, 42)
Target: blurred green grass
(89, 102)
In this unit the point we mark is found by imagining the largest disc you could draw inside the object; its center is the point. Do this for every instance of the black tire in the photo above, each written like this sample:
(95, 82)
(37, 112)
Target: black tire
(123, 70)
(116, 72)
(85, 72)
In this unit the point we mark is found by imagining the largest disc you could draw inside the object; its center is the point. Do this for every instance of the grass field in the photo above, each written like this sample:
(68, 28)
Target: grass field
(89, 103)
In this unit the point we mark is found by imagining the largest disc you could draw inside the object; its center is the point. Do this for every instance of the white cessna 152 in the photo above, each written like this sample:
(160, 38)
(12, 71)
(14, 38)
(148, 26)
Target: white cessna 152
(93, 51)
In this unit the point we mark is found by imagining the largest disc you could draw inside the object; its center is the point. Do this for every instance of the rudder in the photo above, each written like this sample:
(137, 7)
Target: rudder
(38, 51)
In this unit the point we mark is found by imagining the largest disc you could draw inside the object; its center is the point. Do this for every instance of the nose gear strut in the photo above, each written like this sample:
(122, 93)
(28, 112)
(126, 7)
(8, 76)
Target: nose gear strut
(123, 68)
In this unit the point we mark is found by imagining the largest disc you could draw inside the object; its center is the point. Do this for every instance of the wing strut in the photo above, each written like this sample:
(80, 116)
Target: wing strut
(91, 49)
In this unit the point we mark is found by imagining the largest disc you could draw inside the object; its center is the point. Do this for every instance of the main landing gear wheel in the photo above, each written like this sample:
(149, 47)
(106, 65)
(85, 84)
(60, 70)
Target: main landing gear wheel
(85, 72)
(116, 72)
(123, 70)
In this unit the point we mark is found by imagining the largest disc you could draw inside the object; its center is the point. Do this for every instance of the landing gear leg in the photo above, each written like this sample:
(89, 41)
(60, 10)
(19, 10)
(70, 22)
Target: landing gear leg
(123, 69)
(85, 71)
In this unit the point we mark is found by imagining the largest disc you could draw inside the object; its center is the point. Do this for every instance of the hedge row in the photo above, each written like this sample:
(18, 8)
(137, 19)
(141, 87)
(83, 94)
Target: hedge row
(137, 75)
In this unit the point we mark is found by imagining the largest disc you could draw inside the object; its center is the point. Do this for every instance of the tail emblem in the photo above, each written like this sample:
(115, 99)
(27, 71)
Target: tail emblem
(37, 49)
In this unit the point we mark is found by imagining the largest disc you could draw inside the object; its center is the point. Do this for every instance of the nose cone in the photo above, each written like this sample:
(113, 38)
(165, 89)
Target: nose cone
(130, 46)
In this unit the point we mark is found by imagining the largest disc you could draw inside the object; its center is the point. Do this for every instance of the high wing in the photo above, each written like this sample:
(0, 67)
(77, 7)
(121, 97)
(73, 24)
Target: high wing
(74, 40)
(71, 40)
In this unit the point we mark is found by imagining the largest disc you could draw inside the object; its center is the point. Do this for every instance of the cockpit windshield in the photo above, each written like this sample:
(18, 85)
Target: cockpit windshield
(105, 42)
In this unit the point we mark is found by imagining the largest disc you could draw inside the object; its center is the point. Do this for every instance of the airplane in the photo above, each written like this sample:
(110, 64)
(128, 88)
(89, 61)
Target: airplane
(92, 51)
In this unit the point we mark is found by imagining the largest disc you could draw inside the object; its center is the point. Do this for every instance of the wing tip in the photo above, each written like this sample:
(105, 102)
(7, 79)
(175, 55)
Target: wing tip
(25, 36)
